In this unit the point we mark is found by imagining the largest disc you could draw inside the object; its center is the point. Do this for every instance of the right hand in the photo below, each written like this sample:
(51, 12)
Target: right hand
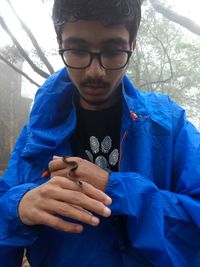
(60, 196)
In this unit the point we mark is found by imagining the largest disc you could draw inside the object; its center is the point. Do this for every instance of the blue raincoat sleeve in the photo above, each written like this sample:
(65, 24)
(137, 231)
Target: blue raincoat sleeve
(163, 224)
(12, 188)
(29, 159)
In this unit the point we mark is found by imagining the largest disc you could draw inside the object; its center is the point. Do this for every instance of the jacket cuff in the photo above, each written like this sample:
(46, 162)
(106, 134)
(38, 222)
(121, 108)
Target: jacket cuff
(112, 182)
(11, 227)
(13, 198)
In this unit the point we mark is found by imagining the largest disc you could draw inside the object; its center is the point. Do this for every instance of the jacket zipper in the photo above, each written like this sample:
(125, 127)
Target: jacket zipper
(121, 144)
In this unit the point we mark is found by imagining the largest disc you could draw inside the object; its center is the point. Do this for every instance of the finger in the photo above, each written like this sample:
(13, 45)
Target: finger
(82, 200)
(87, 189)
(77, 207)
(56, 164)
(56, 157)
(59, 224)
(95, 193)
(73, 212)
(53, 191)
(59, 164)
(62, 172)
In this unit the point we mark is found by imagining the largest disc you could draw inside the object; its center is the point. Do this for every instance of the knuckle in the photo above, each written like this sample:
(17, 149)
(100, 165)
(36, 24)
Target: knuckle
(63, 209)
(62, 173)
(33, 215)
(54, 223)
(98, 192)
(45, 190)
(54, 179)
(77, 197)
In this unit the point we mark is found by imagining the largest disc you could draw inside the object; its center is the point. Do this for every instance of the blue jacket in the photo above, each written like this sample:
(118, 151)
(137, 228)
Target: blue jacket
(156, 193)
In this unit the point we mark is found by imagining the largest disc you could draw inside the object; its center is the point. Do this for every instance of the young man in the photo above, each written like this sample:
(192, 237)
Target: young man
(103, 174)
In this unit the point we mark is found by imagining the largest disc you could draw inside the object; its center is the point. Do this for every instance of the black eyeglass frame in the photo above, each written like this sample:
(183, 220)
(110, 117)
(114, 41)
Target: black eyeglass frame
(92, 56)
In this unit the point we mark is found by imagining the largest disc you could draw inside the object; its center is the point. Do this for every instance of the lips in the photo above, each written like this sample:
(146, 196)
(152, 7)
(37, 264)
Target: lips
(94, 89)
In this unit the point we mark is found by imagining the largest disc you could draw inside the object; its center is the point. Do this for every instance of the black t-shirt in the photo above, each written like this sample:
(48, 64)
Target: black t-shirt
(97, 136)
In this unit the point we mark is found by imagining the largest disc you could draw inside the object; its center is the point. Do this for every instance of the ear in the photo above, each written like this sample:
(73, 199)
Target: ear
(133, 44)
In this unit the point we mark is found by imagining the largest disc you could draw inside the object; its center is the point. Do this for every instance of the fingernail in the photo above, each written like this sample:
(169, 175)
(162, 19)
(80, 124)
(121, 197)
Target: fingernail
(56, 157)
(108, 201)
(95, 221)
(79, 228)
(106, 212)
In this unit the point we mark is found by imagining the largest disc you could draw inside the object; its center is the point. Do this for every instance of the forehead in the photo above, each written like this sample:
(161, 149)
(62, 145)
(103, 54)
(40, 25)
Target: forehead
(94, 33)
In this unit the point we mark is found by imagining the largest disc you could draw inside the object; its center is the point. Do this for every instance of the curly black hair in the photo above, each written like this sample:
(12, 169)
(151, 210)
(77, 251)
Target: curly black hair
(109, 12)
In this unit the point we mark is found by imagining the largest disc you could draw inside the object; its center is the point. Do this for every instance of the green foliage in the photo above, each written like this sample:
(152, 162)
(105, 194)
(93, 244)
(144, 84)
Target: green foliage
(167, 60)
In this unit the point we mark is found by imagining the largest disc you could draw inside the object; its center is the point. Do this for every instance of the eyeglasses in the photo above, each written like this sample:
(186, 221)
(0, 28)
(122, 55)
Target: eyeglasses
(82, 59)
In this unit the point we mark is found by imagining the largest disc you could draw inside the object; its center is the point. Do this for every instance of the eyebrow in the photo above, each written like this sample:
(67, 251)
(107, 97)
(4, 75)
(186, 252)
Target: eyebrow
(118, 41)
(74, 40)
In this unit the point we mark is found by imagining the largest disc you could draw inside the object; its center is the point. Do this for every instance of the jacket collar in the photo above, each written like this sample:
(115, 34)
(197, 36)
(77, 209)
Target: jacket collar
(53, 117)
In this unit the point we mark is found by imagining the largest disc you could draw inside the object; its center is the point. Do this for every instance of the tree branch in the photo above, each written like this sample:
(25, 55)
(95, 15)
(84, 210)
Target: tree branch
(40, 53)
(22, 51)
(173, 16)
(147, 76)
(18, 70)
(170, 64)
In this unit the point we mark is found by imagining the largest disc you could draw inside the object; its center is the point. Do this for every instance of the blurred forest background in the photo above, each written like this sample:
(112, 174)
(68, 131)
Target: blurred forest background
(166, 60)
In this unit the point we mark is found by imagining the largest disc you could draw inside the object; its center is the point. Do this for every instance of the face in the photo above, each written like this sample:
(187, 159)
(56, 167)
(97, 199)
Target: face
(98, 88)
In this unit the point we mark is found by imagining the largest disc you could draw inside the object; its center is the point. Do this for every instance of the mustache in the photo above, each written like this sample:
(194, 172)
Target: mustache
(95, 83)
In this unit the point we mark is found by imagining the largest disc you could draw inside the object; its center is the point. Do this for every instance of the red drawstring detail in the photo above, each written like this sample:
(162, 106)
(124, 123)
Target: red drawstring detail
(121, 149)
(134, 116)
(45, 174)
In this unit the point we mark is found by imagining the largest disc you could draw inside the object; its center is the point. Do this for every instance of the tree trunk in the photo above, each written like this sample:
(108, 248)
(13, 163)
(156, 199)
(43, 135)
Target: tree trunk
(173, 16)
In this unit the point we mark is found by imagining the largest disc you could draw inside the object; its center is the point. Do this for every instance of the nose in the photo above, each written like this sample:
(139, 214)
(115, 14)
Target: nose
(95, 70)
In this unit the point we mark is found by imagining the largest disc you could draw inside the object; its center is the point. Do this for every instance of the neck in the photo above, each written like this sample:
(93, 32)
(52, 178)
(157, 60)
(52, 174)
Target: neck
(101, 105)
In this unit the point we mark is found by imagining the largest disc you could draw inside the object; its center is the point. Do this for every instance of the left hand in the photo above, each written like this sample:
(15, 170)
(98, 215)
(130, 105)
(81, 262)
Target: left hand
(86, 171)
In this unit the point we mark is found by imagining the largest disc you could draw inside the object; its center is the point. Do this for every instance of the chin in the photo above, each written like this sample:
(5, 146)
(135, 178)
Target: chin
(96, 103)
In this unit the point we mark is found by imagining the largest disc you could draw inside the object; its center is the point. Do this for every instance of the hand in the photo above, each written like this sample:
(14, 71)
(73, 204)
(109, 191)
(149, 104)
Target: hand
(60, 196)
(86, 171)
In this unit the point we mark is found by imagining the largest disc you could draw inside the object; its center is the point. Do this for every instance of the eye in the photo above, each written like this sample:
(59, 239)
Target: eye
(79, 53)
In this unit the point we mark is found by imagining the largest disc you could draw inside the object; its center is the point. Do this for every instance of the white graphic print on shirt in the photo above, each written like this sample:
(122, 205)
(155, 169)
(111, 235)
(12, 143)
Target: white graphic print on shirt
(105, 160)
